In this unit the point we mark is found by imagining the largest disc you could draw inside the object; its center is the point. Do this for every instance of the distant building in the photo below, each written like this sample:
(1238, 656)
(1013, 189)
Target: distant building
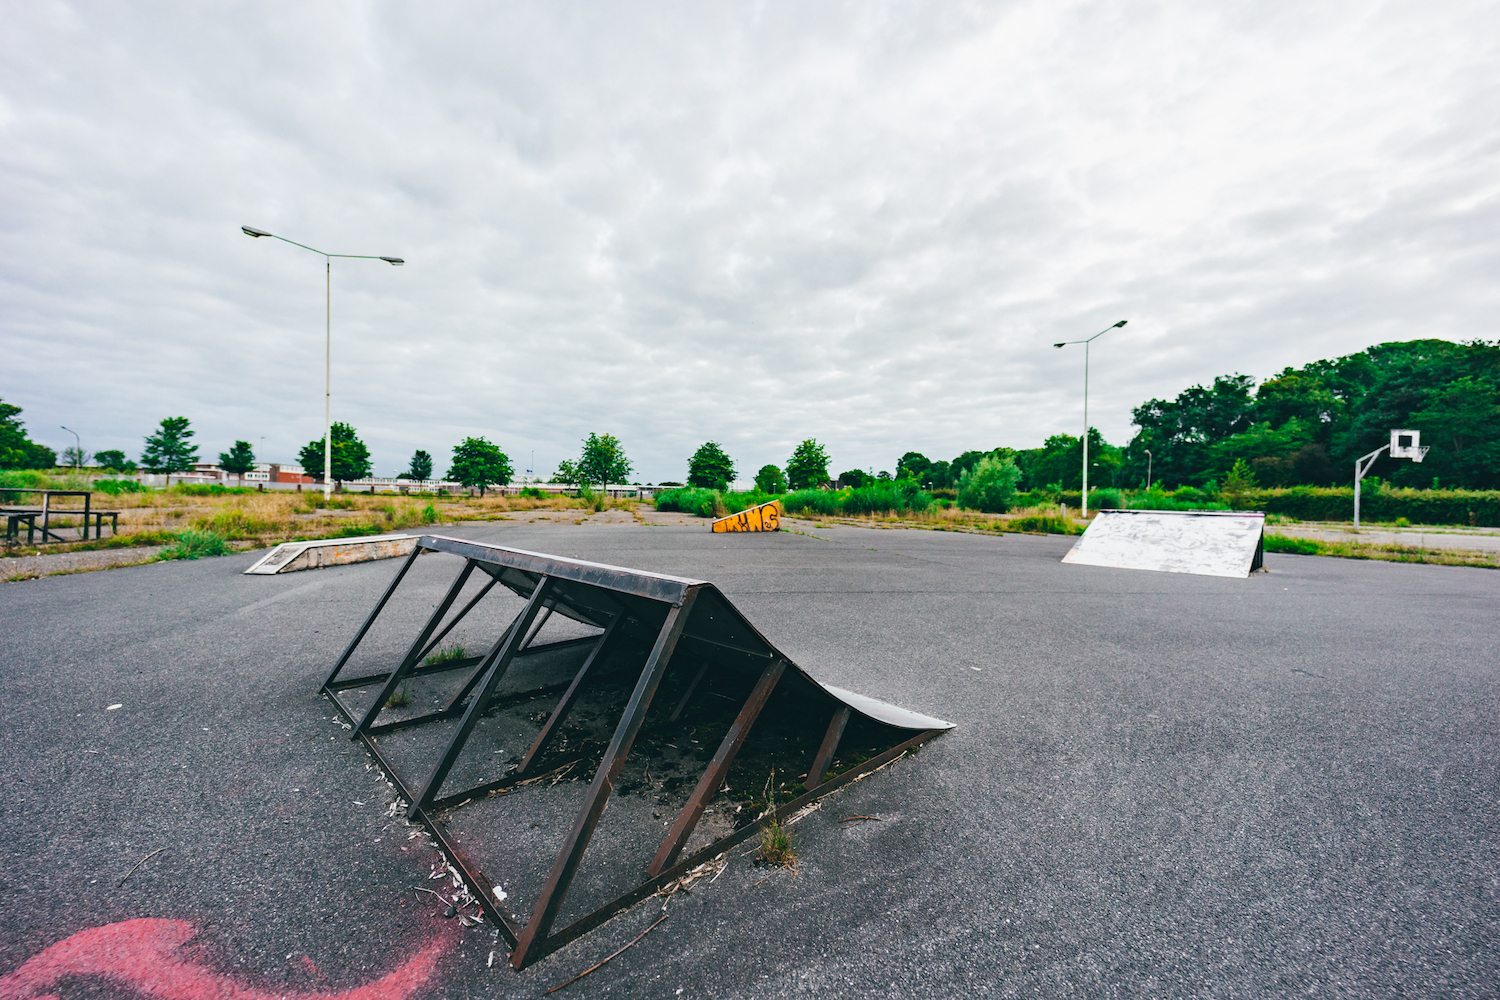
(287, 474)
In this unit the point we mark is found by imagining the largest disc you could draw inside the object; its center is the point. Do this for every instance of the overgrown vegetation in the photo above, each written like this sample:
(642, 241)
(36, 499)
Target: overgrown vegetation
(114, 487)
(195, 543)
(1384, 553)
(158, 516)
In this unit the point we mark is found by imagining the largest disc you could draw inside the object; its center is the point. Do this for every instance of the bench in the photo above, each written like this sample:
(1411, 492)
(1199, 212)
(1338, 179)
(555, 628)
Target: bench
(15, 515)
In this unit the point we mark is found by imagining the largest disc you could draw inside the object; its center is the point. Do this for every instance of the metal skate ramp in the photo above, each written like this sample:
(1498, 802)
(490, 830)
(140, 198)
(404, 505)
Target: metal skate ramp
(616, 658)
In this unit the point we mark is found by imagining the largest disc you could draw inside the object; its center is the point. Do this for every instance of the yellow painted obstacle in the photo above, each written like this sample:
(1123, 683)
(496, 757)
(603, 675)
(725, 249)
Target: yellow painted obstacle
(766, 517)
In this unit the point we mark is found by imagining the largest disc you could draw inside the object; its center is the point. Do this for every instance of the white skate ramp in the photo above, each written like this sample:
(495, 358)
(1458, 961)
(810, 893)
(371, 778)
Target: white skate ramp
(290, 557)
(1206, 542)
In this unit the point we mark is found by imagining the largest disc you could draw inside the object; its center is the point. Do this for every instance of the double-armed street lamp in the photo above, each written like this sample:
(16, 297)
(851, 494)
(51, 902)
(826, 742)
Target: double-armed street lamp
(327, 339)
(1086, 343)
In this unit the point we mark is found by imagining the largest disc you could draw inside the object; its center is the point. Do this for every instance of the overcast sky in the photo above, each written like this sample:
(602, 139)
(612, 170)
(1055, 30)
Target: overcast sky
(753, 223)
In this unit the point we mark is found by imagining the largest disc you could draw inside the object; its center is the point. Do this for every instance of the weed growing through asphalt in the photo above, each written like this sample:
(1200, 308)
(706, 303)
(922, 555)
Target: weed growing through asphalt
(446, 656)
(776, 847)
(399, 697)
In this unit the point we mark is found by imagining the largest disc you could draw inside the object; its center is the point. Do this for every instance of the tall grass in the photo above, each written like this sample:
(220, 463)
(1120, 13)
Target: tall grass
(194, 543)
(895, 497)
(114, 487)
(25, 479)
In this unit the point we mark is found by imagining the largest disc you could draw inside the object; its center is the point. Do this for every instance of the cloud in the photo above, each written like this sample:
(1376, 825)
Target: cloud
(753, 223)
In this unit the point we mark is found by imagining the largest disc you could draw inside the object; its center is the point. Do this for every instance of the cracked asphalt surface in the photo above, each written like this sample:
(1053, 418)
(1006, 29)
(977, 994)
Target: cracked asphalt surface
(1159, 785)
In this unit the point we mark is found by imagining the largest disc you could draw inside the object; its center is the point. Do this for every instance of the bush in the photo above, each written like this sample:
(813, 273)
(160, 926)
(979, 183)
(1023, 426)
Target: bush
(533, 493)
(25, 479)
(209, 490)
(886, 497)
(235, 523)
(593, 498)
(883, 497)
(1186, 498)
(1104, 499)
(1315, 503)
(429, 514)
(195, 543)
(826, 502)
(1046, 525)
(114, 487)
(1295, 546)
(991, 486)
(690, 500)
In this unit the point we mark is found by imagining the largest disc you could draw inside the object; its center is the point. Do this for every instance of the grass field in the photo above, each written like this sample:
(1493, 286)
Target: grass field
(255, 519)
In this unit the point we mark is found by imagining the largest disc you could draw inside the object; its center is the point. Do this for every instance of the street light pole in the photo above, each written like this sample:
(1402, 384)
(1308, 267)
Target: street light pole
(1148, 469)
(327, 339)
(1086, 343)
(78, 450)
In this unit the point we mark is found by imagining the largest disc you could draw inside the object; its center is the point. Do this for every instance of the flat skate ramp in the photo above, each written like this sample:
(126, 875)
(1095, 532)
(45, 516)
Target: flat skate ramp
(1204, 542)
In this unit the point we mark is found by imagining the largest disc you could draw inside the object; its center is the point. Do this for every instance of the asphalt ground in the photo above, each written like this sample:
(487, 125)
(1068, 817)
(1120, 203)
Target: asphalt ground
(1159, 785)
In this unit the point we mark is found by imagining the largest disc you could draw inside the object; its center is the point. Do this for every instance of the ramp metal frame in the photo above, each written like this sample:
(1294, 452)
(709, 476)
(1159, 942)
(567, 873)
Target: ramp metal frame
(659, 612)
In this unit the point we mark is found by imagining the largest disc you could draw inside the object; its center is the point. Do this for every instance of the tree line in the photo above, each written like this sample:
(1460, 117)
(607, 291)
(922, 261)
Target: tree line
(477, 463)
(1303, 426)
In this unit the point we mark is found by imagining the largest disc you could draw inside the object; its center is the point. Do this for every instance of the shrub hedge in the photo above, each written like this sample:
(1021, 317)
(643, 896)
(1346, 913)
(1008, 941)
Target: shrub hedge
(1321, 503)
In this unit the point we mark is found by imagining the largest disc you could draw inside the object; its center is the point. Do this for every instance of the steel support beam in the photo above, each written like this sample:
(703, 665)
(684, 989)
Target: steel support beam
(570, 696)
(829, 745)
(413, 657)
(566, 865)
(370, 620)
(501, 656)
(713, 775)
(687, 695)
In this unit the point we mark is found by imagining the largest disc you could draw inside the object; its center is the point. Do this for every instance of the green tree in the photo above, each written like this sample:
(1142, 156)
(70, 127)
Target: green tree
(1180, 432)
(567, 473)
(991, 487)
(17, 451)
(168, 450)
(1060, 462)
(351, 459)
(855, 478)
(420, 467)
(964, 464)
(1307, 425)
(75, 457)
(808, 466)
(939, 476)
(114, 459)
(913, 465)
(770, 480)
(238, 460)
(710, 468)
(1240, 481)
(1462, 414)
(603, 461)
(479, 464)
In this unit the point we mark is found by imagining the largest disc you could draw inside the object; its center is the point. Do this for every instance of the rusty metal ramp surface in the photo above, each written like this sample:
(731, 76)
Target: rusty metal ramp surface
(597, 686)
(1205, 542)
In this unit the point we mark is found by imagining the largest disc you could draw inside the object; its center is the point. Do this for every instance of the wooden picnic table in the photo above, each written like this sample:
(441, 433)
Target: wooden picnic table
(15, 515)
